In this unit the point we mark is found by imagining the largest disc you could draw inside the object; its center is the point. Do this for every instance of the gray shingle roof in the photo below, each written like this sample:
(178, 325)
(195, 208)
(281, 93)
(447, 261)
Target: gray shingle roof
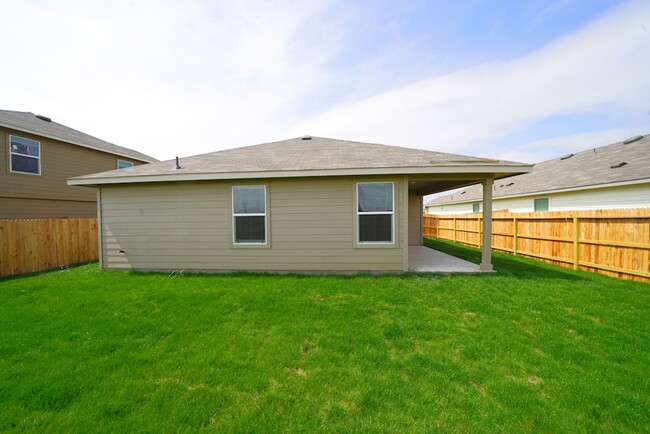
(317, 153)
(28, 122)
(583, 169)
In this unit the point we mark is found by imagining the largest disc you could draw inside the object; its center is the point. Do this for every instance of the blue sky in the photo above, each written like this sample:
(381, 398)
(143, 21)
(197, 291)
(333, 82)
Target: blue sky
(521, 80)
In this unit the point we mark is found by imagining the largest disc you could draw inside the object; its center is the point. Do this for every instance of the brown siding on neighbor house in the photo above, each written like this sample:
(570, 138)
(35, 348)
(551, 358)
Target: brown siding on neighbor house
(19, 208)
(59, 161)
(188, 226)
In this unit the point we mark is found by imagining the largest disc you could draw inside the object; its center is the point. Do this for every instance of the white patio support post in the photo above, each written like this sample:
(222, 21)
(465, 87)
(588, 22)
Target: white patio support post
(486, 249)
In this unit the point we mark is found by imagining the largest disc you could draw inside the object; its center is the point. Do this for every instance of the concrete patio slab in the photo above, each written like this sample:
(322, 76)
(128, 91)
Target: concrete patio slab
(425, 260)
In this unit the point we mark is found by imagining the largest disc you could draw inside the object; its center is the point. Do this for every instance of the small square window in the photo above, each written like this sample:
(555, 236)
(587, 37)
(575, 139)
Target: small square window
(476, 207)
(541, 204)
(25, 155)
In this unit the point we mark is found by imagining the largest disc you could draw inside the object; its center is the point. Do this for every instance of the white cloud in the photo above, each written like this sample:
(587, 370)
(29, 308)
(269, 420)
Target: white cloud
(166, 78)
(180, 78)
(601, 67)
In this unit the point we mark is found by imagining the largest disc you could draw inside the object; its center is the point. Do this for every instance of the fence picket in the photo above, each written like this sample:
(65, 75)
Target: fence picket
(28, 246)
(612, 242)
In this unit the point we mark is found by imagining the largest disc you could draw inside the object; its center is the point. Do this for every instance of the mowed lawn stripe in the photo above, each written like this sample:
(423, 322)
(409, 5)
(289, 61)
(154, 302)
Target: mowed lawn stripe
(533, 347)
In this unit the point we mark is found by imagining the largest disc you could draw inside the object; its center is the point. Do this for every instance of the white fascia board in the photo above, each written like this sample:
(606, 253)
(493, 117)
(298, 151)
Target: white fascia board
(483, 169)
(83, 145)
(543, 192)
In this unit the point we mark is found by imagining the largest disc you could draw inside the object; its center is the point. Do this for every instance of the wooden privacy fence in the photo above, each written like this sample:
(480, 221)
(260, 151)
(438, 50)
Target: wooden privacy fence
(27, 246)
(612, 242)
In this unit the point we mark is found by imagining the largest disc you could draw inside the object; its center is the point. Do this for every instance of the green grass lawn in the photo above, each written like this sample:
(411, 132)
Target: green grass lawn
(531, 348)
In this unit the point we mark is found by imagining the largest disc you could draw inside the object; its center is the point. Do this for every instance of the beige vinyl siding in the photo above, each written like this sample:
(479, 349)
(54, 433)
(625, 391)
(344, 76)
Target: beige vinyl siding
(415, 219)
(188, 226)
(59, 161)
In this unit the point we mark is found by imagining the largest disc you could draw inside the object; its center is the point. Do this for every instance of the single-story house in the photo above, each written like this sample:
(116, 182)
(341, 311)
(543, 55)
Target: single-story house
(39, 155)
(307, 204)
(615, 176)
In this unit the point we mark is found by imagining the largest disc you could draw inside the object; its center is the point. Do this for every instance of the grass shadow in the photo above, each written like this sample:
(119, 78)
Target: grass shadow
(505, 264)
(49, 270)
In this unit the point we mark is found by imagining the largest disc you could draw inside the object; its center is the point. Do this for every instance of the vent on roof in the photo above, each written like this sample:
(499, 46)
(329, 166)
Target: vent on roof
(305, 138)
(43, 118)
(632, 140)
(509, 184)
(616, 166)
(177, 165)
(463, 192)
(566, 157)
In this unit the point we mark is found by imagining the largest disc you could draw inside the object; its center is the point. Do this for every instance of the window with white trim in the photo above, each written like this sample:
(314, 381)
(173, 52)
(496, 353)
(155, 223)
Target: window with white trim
(541, 204)
(375, 213)
(121, 164)
(476, 207)
(25, 155)
(249, 214)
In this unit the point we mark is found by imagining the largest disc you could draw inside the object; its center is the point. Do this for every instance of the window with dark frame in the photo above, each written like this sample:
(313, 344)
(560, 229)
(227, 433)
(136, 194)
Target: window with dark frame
(25, 155)
(375, 213)
(249, 214)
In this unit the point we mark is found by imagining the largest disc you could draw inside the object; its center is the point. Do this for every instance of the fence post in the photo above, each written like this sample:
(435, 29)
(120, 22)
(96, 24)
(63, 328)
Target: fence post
(480, 232)
(576, 243)
(514, 236)
(454, 228)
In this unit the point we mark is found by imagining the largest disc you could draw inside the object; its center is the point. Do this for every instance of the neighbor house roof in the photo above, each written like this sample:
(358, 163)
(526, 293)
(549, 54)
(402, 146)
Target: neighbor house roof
(42, 126)
(304, 156)
(612, 164)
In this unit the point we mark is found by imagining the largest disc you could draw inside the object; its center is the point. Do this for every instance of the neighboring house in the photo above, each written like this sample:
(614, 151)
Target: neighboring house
(304, 204)
(39, 155)
(609, 177)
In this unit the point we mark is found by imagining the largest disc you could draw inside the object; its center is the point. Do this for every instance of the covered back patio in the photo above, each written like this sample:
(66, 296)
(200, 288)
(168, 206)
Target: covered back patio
(424, 259)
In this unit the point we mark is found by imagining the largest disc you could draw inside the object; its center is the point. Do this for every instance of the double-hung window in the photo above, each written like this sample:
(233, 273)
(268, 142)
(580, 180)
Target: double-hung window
(25, 155)
(375, 213)
(249, 214)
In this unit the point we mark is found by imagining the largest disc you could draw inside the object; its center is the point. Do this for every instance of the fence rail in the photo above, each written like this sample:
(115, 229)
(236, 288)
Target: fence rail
(27, 246)
(612, 242)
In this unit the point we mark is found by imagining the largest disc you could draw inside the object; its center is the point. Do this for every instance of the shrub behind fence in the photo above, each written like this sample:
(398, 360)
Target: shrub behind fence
(27, 246)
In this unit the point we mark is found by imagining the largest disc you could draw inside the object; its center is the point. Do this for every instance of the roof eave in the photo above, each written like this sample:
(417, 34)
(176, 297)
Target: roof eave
(73, 142)
(498, 170)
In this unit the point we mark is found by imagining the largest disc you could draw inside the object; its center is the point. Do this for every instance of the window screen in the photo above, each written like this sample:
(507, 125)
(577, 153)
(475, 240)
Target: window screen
(249, 214)
(375, 214)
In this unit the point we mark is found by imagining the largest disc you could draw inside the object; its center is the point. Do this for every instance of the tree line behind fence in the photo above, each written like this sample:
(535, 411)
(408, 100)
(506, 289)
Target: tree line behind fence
(28, 246)
(612, 242)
